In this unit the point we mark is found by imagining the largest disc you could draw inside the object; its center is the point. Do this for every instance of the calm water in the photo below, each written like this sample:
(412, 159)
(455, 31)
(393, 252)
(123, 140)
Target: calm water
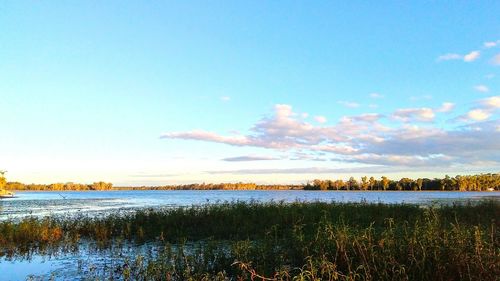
(99, 202)
(68, 267)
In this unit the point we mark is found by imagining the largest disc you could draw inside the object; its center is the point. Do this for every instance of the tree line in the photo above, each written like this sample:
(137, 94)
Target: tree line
(59, 186)
(217, 186)
(481, 182)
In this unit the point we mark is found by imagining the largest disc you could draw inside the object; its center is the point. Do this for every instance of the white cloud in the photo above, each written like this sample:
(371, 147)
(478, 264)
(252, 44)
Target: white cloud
(249, 158)
(225, 98)
(491, 102)
(309, 156)
(491, 44)
(308, 170)
(349, 104)
(401, 160)
(280, 131)
(446, 107)
(478, 115)
(338, 149)
(449, 56)
(206, 136)
(367, 117)
(490, 76)
(466, 144)
(363, 139)
(376, 96)
(483, 111)
(472, 56)
(496, 60)
(481, 88)
(321, 170)
(423, 114)
(373, 106)
(320, 119)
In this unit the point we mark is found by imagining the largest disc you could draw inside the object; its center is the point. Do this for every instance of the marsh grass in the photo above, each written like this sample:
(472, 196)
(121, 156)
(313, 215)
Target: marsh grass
(282, 241)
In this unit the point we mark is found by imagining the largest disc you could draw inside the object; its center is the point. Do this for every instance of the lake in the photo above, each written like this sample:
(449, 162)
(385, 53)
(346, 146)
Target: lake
(37, 203)
(96, 203)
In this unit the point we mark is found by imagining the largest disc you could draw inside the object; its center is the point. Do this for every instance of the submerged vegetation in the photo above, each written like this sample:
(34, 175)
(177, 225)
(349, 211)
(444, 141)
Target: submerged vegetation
(282, 241)
(482, 182)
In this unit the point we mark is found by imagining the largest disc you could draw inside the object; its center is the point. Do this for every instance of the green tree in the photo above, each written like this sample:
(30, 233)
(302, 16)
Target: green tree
(385, 183)
(372, 183)
(57, 186)
(3, 181)
(338, 184)
(364, 183)
(101, 186)
(353, 184)
(404, 184)
(420, 182)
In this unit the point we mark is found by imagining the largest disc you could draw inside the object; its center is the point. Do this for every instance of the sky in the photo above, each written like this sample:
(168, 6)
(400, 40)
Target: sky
(173, 92)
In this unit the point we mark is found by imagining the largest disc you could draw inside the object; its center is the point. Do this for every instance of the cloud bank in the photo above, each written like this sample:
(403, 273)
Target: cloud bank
(408, 137)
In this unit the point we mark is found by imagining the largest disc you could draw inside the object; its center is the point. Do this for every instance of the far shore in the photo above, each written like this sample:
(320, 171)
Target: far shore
(481, 182)
(340, 190)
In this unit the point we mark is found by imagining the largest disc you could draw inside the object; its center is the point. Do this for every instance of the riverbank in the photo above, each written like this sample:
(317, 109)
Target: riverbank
(355, 241)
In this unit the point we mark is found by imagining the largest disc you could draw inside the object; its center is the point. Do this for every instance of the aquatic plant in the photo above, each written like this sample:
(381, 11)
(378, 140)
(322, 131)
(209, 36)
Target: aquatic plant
(281, 241)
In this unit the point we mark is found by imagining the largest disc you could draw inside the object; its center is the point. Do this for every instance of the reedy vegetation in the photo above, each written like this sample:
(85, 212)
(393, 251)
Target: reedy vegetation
(279, 241)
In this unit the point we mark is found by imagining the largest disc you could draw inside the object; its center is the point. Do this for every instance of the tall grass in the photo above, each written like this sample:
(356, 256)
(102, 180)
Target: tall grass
(278, 241)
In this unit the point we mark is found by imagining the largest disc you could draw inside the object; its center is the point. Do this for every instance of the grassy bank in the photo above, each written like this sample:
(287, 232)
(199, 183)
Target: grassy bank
(305, 241)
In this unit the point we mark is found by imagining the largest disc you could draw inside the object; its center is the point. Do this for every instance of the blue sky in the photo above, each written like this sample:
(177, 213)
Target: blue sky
(260, 91)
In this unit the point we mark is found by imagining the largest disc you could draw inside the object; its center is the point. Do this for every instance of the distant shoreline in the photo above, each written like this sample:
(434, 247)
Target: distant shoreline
(129, 189)
(480, 182)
